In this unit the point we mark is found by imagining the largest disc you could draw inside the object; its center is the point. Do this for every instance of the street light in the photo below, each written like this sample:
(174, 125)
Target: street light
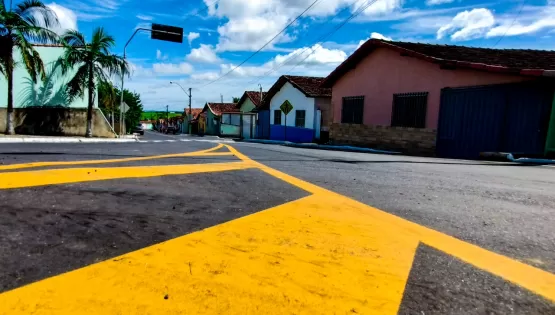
(157, 31)
(188, 94)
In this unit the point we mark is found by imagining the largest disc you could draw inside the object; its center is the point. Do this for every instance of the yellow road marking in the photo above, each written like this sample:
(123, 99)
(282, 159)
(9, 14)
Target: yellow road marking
(142, 158)
(534, 279)
(76, 175)
(325, 253)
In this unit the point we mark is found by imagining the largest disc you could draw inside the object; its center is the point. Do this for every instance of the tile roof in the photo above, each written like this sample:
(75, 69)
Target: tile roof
(309, 86)
(254, 96)
(219, 108)
(512, 61)
(195, 111)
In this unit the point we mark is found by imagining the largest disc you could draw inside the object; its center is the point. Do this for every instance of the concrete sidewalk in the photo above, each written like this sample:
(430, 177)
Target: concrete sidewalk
(344, 148)
(47, 139)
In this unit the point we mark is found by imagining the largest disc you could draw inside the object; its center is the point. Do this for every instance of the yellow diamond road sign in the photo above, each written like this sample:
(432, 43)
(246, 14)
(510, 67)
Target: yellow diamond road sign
(286, 107)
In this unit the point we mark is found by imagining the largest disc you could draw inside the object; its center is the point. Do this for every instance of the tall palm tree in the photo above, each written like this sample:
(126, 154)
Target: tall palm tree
(94, 62)
(26, 23)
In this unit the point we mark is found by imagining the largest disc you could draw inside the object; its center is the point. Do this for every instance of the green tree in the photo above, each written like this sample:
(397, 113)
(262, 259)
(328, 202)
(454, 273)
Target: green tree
(94, 63)
(133, 115)
(107, 99)
(236, 99)
(18, 27)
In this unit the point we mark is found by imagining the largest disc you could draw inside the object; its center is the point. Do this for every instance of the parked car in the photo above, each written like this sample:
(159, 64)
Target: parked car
(171, 129)
(139, 129)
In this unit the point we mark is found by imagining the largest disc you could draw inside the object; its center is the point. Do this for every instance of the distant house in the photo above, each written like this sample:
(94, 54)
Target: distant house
(250, 100)
(188, 116)
(310, 103)
(452, 101)
(211, 116)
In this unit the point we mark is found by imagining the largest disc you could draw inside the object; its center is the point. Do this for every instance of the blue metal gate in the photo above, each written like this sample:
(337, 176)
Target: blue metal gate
(263, 125)
(498, 118)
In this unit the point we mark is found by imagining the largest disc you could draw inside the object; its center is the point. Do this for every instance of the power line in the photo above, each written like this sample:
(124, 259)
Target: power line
(355, 14)
(510, 26)
(201, 11)
(319, 40)
(264, 46)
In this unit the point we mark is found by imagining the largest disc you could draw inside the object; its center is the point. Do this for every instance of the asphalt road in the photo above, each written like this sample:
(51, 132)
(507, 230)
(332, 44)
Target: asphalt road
(504, 208)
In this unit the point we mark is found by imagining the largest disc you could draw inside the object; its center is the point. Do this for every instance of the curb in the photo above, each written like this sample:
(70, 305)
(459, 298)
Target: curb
(343, 148)
(66, 140)
(509, 157)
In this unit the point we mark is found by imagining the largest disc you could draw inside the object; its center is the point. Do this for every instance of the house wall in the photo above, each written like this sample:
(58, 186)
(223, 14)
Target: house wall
(299, 102)
(385, 72)
(324, 105)
(212, 126)
(247, 106)
(57, 121)
(23, 85)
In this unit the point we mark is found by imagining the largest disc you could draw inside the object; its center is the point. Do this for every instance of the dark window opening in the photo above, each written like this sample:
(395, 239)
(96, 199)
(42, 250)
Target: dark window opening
(277, 117)
(300, 118)
(409, 110)
(352, 110)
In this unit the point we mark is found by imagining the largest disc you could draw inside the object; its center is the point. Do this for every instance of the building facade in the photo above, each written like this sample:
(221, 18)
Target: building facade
(391, 95)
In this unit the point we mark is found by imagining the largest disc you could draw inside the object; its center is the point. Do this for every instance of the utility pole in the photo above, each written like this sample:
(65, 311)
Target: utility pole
(168, 114)
(190, 110)
(260, 85)
(221, 98)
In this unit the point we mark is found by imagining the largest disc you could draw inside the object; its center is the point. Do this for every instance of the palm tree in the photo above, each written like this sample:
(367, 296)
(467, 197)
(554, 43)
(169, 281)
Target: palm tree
(94, 62)
(25, 23)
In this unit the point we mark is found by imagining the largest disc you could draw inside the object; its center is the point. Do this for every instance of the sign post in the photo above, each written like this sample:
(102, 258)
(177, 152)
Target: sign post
(286, 108)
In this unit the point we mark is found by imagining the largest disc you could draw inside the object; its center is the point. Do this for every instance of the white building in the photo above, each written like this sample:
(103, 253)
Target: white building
(310, 102)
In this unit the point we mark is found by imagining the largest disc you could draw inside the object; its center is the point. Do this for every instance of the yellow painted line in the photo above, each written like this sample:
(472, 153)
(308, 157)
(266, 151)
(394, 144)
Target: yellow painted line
(75, 175)
(142, 158)
(534, 279)
(304, 257)
(322, 254)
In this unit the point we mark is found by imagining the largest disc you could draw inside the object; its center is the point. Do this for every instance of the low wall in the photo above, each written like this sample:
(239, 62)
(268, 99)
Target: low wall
(230, 130)
(294, 134)
(56, 121)
(407, 140)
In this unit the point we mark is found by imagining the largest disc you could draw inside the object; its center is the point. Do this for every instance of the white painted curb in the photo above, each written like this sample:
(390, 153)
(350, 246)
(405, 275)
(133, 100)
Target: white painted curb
(65, 140)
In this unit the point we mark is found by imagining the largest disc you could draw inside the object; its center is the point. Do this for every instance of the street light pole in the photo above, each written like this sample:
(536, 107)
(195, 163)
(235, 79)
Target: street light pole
(190, 96)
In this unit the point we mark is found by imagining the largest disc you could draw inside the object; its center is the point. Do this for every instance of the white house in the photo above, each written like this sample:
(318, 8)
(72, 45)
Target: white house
(309, 102)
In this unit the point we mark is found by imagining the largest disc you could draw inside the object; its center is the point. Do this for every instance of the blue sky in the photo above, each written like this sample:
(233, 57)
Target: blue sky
(220, 36)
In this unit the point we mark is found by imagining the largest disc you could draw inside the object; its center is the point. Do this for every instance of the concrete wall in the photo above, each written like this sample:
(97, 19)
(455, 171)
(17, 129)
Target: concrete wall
(56, 121)
(407, 140)
(299, 102)
(385, 72)
(247, 106)
(27, 94)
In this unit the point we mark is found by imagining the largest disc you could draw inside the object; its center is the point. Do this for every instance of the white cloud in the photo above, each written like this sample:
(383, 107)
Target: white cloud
(438, 2)
(160, 55)
(251, 24)
(192, 36)
(380, 7)
(374, 35)
(67, 18)
(144, 17)
(89, 10)
(206, 76)
(468, 25)
(172, 68)
(532, 20)
(203, 54)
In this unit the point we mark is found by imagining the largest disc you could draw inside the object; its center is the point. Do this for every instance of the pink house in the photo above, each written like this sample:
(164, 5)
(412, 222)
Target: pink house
(388, 94)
